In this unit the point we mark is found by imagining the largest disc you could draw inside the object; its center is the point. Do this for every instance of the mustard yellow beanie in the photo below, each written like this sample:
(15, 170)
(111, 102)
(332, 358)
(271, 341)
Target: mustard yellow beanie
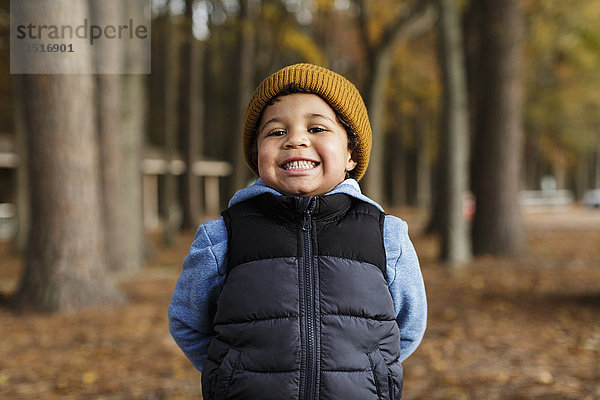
(341, 95)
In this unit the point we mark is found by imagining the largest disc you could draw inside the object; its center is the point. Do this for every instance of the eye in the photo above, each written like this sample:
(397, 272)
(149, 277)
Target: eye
(316, 129)
(276, 132)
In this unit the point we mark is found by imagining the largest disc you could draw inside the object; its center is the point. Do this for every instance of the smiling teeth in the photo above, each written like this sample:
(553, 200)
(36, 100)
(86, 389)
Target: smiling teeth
(299, 165)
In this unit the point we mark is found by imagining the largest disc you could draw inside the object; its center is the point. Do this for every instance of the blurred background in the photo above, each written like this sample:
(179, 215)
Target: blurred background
(486, 128)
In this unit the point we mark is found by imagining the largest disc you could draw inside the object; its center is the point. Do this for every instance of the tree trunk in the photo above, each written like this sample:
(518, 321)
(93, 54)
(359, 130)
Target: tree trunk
(456, 245)
(134, 124)
(64, 265)
(497, 226)
(20, 242)
(173, 210)
(532, 160)
(396, 160)
(381, 66)
(439, 191)
(423, 164)
(191, 121)
(121, 236)
(379, 55)
(596, 180)
(245, 62)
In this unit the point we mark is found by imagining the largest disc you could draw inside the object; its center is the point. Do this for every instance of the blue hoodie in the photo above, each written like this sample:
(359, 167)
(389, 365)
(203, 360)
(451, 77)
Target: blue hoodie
(194, 300)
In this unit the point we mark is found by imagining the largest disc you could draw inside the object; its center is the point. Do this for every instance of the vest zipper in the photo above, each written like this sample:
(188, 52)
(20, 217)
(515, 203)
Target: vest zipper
(309, 297)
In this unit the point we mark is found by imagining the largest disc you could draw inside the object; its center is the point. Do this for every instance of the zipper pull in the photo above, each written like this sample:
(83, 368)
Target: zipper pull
(306, 222)
(307, 217)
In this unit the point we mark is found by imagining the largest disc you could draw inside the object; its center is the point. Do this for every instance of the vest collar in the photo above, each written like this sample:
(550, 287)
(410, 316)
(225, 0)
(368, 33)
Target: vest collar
(293, 208)
(349, 187)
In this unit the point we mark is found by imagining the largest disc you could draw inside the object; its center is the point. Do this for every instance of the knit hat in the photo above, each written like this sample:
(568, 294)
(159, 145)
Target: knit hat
(341, 95)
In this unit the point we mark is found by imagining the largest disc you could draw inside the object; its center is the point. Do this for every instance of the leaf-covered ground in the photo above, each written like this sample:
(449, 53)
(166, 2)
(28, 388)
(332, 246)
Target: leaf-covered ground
(525, 328)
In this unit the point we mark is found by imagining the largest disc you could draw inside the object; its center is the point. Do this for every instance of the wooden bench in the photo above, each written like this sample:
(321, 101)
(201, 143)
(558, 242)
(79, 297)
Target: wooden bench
(210, 171)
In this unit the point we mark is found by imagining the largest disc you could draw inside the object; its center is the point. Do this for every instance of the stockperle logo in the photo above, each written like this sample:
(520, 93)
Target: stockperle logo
(80, 36)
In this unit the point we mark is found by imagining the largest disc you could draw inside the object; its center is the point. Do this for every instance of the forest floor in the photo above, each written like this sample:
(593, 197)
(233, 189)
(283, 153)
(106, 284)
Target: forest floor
(518, 328)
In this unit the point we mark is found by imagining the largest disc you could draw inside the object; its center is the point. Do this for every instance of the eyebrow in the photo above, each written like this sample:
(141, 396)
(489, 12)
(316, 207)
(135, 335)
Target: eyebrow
(317, 115)
(276, 119)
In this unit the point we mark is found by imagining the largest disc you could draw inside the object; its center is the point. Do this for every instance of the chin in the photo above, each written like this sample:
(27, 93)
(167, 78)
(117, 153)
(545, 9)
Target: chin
(296, 192)
(297, 188)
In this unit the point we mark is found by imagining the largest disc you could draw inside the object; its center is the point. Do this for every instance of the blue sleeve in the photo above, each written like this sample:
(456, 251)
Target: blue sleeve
(406, 285)
(194, 301)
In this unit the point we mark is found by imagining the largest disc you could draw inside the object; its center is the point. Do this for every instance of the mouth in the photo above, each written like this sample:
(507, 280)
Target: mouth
(299, 165)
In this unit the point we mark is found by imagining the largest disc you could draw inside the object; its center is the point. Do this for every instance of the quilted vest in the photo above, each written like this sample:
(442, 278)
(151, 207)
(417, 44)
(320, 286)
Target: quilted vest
(305, 311)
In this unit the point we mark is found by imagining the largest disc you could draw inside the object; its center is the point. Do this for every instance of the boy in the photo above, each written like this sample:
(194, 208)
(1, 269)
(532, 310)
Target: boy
(304, 288)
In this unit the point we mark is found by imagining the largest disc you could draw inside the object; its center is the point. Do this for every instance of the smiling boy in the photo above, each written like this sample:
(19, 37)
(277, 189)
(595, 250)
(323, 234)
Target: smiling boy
(304, 288)
(302, 148)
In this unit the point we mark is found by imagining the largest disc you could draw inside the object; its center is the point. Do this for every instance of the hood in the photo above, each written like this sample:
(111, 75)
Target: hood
(349, 187)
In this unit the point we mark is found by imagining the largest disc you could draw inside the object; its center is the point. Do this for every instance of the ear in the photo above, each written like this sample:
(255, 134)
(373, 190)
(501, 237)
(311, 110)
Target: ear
(350, 163)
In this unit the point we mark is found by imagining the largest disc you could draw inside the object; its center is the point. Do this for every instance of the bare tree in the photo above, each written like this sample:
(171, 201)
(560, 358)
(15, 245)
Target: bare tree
(245, 55)
(119, 149)
(64, 266)
(134, 116)
(173, 209)
(20, 241)
(497, 151)
(192, 118)
(456, 244)
(411, 23)
(423, 163)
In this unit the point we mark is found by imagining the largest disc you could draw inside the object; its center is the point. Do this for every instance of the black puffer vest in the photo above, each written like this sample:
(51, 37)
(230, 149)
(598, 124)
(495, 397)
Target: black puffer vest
(305, 312)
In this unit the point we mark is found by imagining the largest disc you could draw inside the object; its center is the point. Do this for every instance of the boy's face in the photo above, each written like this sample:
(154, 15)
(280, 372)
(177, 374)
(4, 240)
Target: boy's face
(302, 148)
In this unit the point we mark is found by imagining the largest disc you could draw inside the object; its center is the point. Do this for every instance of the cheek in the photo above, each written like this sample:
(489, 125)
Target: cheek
(339, 153)
(265, 157)
(261, 163)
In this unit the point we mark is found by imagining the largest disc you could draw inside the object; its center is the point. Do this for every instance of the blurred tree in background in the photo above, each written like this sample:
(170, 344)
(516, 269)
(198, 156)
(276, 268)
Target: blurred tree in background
(533, 110)
(65, 263)
(562, 100)
(498, 132)
(120, 111)
(379, 48)
(454, 160)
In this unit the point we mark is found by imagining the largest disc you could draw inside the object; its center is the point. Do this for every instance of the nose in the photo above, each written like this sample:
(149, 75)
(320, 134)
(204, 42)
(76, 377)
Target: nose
(296, 138)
